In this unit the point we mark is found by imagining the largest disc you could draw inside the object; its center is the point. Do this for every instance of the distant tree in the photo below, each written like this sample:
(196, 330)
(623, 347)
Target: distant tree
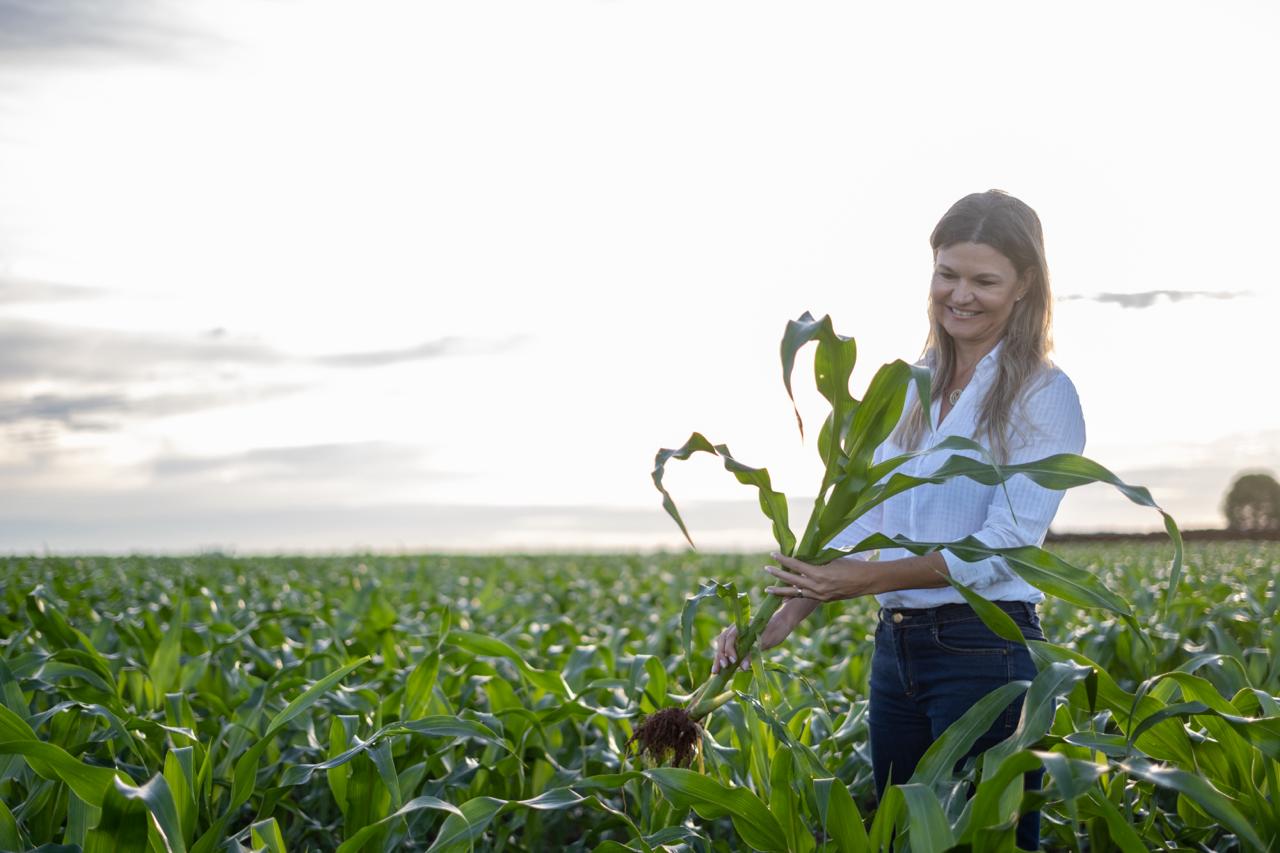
(1253, 503)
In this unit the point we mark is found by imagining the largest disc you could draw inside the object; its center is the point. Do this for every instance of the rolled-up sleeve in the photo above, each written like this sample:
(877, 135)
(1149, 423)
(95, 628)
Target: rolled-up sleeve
(1051, 422)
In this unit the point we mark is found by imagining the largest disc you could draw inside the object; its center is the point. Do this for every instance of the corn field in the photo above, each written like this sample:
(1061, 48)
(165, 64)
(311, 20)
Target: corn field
(442, 703)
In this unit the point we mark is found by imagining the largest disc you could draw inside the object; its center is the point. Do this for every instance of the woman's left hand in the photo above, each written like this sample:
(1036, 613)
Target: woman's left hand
(846, 577)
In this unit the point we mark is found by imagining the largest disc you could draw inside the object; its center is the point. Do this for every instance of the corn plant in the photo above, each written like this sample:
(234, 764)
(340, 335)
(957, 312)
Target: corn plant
(851, 485)
(497, 691)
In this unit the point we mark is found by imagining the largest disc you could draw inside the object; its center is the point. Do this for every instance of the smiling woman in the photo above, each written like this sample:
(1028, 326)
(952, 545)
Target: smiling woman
(991, 382)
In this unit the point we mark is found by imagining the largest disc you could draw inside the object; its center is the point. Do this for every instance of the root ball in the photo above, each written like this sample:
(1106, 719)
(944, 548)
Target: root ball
(670, 732)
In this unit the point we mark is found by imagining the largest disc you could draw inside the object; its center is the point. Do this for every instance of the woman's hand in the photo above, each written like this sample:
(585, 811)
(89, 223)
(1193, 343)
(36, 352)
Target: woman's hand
(846, 577)
(780, 626)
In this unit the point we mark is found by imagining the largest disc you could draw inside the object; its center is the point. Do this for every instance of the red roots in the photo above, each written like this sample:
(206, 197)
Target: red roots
(670, 731)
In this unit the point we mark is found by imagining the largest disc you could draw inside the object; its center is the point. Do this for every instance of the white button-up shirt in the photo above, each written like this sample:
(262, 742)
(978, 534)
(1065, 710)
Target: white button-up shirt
(1051, 422)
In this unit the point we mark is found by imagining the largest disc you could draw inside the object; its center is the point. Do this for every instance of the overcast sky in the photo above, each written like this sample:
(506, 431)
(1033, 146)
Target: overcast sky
(317, 275)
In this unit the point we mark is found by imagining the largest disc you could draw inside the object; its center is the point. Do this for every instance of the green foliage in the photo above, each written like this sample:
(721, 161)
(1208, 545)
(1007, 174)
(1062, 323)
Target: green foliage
(851, 485)
(401, 703)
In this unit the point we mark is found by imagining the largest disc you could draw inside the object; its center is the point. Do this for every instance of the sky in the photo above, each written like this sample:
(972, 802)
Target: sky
(285, 276)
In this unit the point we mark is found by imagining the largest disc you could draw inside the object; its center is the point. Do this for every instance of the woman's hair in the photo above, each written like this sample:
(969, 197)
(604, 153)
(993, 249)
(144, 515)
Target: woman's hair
(996, 219)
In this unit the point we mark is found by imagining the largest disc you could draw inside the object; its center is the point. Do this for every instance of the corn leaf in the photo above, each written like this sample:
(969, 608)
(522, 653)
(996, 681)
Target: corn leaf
(1199, 790)
(124, 825)
(772, 503)
(838, 816)
(712, 800)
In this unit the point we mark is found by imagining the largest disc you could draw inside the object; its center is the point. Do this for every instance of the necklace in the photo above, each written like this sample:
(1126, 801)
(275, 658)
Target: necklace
(954, 396)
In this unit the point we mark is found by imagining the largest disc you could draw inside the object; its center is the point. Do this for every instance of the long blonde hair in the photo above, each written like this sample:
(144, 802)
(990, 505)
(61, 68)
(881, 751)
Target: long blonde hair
(1009, 226)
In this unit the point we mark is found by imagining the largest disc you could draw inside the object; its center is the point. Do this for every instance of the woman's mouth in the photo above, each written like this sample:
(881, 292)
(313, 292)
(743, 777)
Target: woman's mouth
(963, 315)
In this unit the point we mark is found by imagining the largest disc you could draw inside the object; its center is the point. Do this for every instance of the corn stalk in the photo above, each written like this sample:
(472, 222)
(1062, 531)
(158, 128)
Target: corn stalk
(852, 485)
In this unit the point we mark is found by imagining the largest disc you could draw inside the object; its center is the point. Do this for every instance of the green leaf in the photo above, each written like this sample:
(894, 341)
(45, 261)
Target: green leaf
(1067, 470)
(1167, 740)
(940, 758)
(356, 841)
(164, 664)
(1072, 777)
(991, 802)
(459, 830)
(10, 839)
(782, 801)
(1201, 791)
(52, 762)
(927, 825)
(1038, 567)
(266, 834)
(838, 816)
(180, 774)
(124, 823)
(688, 620)
(695, 443)
(550, 680)
(876, 417)
(840, 354)
(1053, 681)
(772, 503)
(244, 776)
(311, 694)
(1000, 622)
(711, 800)
(418, 687)
(1122, 832)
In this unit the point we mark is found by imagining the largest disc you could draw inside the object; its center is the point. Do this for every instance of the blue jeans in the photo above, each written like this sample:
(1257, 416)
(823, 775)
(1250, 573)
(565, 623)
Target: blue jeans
(930, 666)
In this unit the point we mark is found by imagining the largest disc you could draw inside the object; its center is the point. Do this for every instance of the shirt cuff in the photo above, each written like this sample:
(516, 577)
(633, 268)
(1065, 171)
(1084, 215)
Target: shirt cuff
(973, 575)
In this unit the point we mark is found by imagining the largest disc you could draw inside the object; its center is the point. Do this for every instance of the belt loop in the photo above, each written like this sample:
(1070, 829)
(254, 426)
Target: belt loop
(1029, 608)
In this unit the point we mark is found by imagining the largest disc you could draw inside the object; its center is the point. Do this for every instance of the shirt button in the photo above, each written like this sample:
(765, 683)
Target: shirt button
(897, 617)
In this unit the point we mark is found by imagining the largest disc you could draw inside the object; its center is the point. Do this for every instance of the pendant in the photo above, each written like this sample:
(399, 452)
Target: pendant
(954, 396)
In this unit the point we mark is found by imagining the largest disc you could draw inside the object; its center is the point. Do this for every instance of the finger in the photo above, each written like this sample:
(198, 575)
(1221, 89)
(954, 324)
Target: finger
(785, 591)
(790, 577)
(791, 562)
(746, 663)
(731, 644)
(725, 648)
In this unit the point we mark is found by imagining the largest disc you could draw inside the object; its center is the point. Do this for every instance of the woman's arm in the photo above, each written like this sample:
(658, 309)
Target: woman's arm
(850, 577)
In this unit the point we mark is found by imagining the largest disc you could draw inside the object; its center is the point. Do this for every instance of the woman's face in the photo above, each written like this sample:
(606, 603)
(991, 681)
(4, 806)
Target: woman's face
(974, 290)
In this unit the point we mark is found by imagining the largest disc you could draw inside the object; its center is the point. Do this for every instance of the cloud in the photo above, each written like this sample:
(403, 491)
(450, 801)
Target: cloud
(366, 460)
(32, 351)
(1148, 298)
(100, 412)
(447, 346)
(14, 291)
(37, 30)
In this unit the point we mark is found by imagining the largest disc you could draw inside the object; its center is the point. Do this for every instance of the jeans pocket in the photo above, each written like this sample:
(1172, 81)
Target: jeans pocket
(1030, 627)
(968, 637)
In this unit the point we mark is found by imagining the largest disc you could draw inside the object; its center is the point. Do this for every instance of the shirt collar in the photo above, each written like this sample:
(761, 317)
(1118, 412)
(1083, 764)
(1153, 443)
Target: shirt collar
(989, 360)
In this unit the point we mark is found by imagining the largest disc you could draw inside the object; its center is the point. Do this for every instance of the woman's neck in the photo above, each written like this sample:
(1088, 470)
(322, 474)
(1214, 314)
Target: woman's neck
(968, 355)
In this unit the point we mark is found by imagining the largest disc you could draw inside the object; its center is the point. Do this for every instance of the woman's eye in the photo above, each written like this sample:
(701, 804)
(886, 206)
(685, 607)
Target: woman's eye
(947, 275)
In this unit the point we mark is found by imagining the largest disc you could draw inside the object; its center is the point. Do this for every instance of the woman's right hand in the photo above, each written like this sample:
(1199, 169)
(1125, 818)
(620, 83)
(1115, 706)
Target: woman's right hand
(780, 626)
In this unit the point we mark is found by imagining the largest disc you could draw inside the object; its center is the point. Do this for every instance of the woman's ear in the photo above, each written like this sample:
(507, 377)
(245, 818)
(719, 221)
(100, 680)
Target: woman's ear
(1024, 285)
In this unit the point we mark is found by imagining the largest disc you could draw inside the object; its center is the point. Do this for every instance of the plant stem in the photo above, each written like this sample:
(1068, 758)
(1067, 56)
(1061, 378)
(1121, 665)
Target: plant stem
(712, 694)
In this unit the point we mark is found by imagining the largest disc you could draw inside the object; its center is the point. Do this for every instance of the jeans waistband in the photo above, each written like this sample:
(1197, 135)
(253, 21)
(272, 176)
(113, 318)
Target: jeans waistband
(950, 612)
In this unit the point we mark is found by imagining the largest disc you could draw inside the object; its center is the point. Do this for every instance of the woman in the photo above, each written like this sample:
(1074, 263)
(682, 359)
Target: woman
(990, 332)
